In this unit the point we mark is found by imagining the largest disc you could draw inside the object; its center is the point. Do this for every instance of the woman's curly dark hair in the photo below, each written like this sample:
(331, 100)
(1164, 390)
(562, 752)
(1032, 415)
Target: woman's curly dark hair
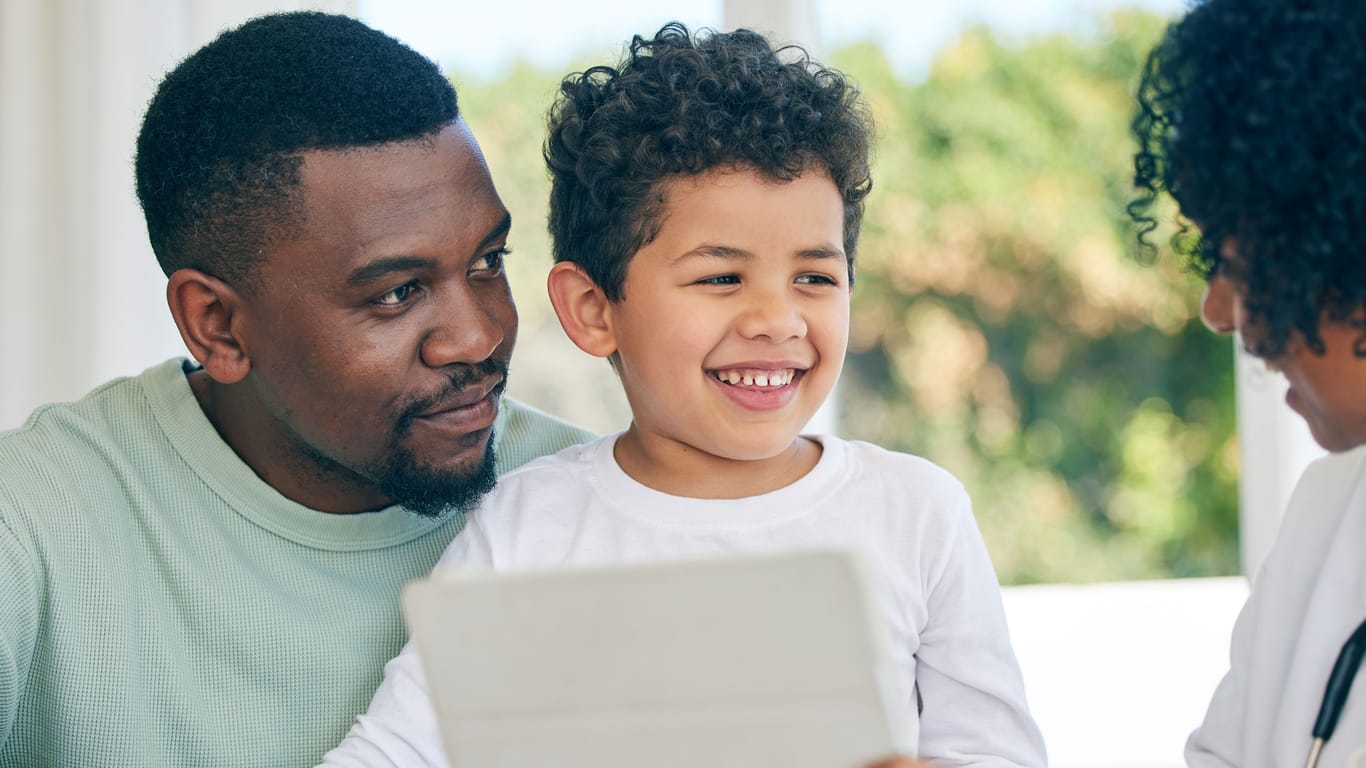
(1253, 117)
(679, 104)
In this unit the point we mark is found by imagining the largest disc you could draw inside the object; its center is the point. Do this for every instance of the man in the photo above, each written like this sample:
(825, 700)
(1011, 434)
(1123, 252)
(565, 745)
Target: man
(1254, 119)
(200, 565)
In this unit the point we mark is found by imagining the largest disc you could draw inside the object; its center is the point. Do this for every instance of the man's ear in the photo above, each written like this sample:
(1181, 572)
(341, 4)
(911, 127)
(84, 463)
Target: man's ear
(208, 313)
(583, 309)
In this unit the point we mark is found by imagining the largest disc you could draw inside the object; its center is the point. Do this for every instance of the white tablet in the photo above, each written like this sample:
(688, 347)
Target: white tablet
(733, 663)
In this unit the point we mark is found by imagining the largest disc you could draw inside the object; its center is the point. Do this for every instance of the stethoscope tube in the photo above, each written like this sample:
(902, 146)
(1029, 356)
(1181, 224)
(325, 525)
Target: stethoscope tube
(1335, 694)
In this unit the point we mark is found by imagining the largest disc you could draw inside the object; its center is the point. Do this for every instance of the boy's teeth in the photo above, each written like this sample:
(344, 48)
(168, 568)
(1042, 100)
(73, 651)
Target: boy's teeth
(779, 378)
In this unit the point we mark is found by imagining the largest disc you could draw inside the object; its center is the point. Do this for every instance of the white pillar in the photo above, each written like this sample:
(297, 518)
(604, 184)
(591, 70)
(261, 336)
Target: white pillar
(81, 296)
(1275, 447)
(782, 21)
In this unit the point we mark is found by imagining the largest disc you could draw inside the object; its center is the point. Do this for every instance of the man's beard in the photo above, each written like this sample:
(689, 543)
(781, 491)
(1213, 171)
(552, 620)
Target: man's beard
(406, 481)
(429, 491)
(426, 490)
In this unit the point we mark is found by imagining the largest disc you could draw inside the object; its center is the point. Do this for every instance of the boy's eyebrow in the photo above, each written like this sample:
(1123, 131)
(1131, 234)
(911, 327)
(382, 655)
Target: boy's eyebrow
(374, 270)
(727, 252)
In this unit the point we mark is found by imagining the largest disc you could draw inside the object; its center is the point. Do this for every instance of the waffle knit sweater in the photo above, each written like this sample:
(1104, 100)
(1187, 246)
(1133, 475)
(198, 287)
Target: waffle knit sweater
(161, 605)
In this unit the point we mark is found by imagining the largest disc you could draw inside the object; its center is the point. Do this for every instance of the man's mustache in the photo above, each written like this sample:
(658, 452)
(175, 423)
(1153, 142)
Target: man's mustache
(457, 379)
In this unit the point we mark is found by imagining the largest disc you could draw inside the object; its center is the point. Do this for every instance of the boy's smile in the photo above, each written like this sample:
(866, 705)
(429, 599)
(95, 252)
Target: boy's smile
(731, 332)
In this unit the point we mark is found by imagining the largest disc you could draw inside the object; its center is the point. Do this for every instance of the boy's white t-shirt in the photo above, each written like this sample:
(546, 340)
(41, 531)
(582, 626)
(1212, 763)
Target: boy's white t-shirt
(910, 520)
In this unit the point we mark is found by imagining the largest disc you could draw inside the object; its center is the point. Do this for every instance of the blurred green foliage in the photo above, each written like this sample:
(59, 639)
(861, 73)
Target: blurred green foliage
(1002, 325)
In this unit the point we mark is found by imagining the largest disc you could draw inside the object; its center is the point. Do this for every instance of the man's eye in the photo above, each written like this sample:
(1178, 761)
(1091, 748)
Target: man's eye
(491, 262)
(399, 296)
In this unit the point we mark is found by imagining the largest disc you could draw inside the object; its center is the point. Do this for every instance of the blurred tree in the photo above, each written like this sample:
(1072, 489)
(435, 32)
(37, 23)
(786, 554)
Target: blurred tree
(1001, 325)
(1003, 328)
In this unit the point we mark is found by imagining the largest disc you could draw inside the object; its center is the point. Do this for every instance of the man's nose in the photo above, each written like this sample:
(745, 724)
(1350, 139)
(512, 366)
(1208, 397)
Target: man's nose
(466, 332)
(1216, 308)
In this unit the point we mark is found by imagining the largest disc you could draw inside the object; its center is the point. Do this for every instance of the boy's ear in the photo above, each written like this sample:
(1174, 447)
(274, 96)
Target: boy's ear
(583, 309)
(208, 313)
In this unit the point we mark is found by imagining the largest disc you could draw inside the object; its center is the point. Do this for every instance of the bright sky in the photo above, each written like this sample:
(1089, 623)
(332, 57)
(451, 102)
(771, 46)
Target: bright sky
(481, 38)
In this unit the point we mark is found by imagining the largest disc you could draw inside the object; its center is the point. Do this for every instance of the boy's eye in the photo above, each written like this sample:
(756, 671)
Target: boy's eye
(818, 279)
(720, 280)
(491, 262)
(398, 296)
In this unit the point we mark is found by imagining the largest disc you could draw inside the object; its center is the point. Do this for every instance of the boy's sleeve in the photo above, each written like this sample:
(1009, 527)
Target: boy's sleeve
(973, 709)
(399, 729)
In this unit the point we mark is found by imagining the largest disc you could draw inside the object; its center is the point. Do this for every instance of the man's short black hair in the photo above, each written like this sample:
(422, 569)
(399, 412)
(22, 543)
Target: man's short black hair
(1253, 117)
(218, 155)
(679, 105)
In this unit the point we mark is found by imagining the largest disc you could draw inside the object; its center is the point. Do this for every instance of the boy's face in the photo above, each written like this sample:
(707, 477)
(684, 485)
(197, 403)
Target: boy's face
(735, 318)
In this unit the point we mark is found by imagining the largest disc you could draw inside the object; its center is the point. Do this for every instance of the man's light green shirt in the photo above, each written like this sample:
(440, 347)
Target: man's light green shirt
(161, 605)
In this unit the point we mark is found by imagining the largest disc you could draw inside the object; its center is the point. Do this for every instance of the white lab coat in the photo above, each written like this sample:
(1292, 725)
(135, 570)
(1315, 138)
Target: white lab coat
(1306, 600)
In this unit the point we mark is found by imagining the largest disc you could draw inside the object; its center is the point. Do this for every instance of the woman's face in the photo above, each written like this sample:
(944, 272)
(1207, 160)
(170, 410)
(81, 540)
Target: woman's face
(1328, 389)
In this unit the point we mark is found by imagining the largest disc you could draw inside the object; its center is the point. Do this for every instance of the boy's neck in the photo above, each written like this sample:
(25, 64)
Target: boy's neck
(679, 469)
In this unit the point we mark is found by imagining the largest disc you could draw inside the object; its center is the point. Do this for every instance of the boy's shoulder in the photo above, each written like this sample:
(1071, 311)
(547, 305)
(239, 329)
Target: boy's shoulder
(874, 462)
(572, 462)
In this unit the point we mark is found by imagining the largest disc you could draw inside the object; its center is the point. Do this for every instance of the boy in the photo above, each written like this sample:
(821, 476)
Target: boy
(705, 206)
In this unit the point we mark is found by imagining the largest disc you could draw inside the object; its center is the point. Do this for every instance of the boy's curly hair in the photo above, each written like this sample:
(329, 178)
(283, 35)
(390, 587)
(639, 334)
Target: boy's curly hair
(681, 104)
(1253, 117)
(221, 144)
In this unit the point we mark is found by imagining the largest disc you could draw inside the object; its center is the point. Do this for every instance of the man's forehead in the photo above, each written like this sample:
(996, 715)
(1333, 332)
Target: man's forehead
(453, 140)
(365, 180)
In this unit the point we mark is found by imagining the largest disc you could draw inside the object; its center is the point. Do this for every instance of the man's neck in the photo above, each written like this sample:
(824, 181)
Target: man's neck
(242, 424)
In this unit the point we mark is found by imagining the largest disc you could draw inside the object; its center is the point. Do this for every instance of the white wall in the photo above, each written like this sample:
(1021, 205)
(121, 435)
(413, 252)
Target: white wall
(81, 297)
(1119, 674)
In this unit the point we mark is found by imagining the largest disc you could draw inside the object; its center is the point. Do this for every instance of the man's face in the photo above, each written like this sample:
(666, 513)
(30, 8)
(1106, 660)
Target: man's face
(1328, 390)
(379, 334)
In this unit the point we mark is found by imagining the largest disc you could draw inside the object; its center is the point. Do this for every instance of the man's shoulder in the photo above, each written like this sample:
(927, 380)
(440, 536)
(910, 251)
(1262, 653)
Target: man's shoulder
(524, 433)
(57, 428)
(65, 449)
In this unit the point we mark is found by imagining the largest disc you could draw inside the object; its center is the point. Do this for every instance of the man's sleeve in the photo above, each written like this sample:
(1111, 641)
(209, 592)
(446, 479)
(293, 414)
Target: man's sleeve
(971, 691)
(20, 604)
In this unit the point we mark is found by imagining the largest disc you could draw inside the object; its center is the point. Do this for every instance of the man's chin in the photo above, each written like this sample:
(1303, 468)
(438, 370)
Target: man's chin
(431, 491)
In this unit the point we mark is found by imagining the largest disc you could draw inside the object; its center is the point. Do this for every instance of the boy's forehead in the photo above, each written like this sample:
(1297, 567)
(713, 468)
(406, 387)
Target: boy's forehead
(741, 214)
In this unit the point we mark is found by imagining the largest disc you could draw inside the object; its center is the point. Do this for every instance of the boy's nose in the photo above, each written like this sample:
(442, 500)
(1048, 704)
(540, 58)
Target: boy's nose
(773, 318)
(1216, 308)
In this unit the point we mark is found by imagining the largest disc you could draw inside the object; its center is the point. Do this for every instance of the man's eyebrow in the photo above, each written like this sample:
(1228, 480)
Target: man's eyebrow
(368, 273)
(374, 270)
(499, 230)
